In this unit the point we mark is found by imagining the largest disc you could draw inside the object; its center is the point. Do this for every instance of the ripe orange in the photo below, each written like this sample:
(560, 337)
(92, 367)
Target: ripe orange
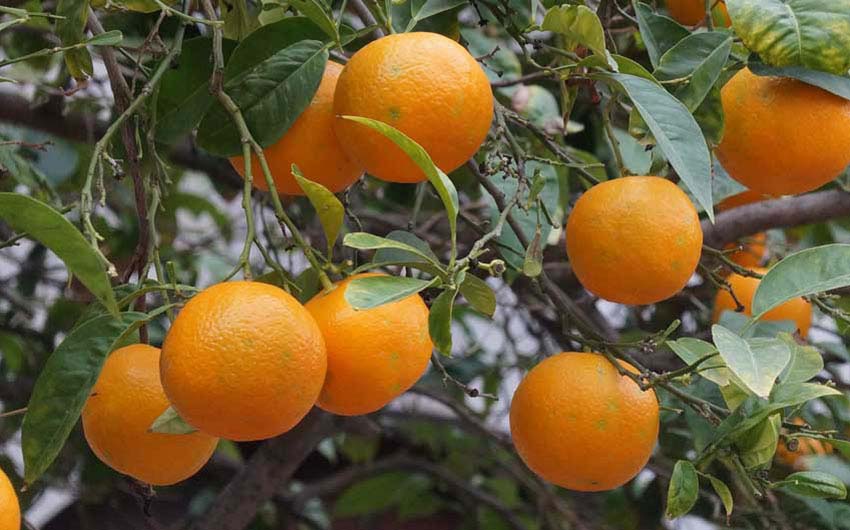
(798, 310)
(634, 240)
(806, 447)
(118, 414)
(423, 84)
(10, 510)
(754, 248)
(783, 136)
(578, 423)
(311, 144)
(692, 12)
(374, 355)
(243, 361)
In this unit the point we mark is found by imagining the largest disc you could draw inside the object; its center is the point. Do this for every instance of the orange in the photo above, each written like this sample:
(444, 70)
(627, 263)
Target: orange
(243, 361)
(634, 240)
(806, 447)
(692, 12)
(783, 136)
(374, 355)
(797, 310)
(423, 84)
(118, 414)
(578, 423)
(311, 144)
(754, 248)
(10, 510)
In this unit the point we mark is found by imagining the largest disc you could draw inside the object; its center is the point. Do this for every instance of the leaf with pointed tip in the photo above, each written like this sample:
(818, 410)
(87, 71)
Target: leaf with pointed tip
(170, 422)
(331, 212)
(374, 291)
(756, 362)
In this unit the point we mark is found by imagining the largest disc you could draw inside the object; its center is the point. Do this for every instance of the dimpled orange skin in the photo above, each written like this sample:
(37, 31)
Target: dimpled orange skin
(374, 355)
(783, 136)
(423, 84)
(692, 12)
(10, 510)
(309, 143)
(753, 248)
(578, 423)
(243, 361)
(797, 310)
(634, 240)
(123, 404)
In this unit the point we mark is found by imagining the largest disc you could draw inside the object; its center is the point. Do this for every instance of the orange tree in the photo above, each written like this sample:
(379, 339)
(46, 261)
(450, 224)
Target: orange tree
(562, 333)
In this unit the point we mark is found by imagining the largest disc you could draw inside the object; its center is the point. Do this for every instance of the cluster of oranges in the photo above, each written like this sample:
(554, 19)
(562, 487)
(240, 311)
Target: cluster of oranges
(424, 84)
(246, 361)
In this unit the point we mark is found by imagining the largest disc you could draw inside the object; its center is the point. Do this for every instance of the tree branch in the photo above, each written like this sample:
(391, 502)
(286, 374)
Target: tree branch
(272, 464)
(750, 219)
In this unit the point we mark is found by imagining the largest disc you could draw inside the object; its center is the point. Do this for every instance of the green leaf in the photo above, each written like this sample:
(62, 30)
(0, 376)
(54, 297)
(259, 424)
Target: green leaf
(677, 133)
(266, 41)
(723, 492)
(659, 33)
(757, 446)
(271, 95)
(836, 84)
(813, 484)
(170, 422)
(698, 59)
(109, 38)
(756, 362)
(374, 291)
(51, 229)
(810, 271)
(71, 30)
(440, 321)
(395, 256)
(372, 495)
(331, 212)
(316, 12)
(63, 387)
(806, 362)
(11, 352)
(479, 295)
(790, 394)
(532, 266)
(441, 182)
(184, 91)
(692, 350)
(239, 21)
(579, 24)
(367, 241)
(683, 491)
(422, 9)
(810, 33)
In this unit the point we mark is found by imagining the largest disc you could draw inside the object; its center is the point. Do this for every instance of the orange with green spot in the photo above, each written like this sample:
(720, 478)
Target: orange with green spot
(374, 355)
(783, 136)
(126, 400)
(243, 361)
(580, 424)
(634, 240)
(423, 84)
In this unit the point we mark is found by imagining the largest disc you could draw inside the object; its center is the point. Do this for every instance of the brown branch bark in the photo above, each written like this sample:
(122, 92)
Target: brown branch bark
(750, 219)
(273, 464)
(123, 97)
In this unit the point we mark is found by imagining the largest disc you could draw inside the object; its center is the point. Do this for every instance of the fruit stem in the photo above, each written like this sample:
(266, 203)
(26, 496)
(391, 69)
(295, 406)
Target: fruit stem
(249, 144)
